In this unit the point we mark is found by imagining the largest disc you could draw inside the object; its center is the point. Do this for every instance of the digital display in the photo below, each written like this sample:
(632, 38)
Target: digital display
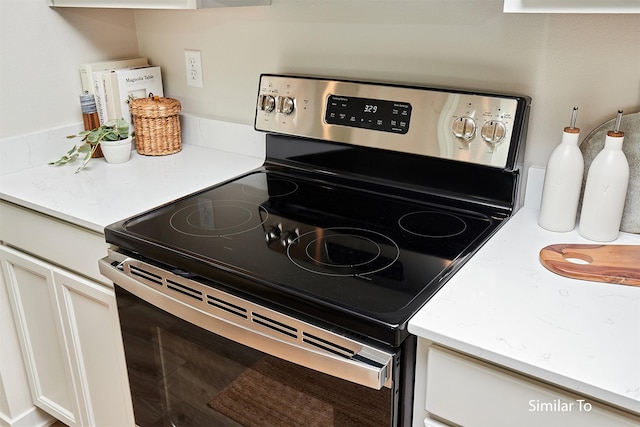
(374, 114)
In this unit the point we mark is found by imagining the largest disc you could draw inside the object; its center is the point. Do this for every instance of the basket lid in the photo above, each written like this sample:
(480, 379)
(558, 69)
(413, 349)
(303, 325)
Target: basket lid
(154, 106)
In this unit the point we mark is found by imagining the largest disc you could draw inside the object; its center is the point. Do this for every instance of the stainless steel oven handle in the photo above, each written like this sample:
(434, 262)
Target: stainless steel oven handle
(251, 324)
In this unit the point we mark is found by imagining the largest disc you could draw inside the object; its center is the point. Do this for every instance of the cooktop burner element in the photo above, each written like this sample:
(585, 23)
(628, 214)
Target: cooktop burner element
(371, 196)
(218, 218)
(343, 251)
(277, 188)
(432, 224)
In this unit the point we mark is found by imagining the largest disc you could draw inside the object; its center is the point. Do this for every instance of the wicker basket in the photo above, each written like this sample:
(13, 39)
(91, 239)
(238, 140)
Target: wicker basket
(157, 125)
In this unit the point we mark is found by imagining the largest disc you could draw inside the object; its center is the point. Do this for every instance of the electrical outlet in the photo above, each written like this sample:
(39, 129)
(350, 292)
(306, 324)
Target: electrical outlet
(193, 67)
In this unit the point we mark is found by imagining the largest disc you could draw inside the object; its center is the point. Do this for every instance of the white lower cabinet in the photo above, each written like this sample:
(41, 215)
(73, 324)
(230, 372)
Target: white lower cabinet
(453, 389)
(16, 405)
(69, 335)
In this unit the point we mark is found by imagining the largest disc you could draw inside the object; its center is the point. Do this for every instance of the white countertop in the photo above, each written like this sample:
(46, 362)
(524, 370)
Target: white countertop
(104, 193)
(505, 307)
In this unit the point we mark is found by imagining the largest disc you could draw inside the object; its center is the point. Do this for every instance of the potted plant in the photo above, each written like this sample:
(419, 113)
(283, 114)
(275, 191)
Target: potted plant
(113, 138)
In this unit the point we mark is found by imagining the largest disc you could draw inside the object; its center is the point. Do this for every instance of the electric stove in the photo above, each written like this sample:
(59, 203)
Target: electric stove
(371, 196)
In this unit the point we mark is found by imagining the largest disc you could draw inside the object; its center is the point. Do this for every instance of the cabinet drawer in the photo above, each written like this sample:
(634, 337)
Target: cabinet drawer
(59, 242)
(468, 392)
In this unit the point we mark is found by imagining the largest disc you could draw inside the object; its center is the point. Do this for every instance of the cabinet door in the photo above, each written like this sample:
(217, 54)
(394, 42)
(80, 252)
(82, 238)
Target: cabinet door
(92, 329)
(571, 6)
(157, 4)
(16, 404)
(30, 285)
(465, 391)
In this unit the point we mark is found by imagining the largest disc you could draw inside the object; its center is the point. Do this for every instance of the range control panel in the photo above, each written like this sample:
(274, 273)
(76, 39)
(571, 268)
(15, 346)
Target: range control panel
(366, 113)
(455, 125)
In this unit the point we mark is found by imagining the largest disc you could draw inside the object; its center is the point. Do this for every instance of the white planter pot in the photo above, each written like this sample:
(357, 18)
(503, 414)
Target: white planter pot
(116, 151)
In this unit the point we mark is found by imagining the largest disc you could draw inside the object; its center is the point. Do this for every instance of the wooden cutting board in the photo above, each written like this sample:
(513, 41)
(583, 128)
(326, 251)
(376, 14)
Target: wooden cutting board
(619, 264)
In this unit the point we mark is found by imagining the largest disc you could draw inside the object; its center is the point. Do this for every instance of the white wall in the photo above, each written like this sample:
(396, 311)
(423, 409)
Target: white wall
(592, 61)
(40, 52)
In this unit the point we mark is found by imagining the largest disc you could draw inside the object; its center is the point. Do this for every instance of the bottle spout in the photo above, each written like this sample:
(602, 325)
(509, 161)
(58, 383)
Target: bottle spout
(616, 133)
(574, 115)
(572, 124)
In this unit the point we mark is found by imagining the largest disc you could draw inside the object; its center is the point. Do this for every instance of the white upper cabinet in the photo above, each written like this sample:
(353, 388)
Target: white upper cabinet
(157, 4)
(571, 6)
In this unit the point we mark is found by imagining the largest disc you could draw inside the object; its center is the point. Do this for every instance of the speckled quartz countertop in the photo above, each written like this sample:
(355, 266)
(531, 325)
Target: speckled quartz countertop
(505, 307)
(105, 193)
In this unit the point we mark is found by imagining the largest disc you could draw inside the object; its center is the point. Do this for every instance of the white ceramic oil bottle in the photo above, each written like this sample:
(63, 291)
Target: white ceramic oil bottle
(562, 182)
(606, 190)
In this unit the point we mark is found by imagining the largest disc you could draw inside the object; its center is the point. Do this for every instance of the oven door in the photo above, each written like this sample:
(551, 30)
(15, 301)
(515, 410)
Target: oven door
(197, 356)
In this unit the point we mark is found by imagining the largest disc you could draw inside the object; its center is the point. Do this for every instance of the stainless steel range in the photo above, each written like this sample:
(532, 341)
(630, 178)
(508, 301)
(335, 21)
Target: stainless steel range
(282, 297)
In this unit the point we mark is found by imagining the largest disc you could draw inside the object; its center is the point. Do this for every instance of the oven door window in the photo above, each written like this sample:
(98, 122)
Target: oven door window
(181, 375)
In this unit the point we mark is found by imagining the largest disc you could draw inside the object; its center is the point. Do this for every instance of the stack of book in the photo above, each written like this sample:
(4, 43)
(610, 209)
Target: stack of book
(115, 83)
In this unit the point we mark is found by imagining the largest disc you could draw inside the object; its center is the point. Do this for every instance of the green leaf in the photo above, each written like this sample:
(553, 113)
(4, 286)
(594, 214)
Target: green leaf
(70, 156)
(84, 148)
(85, 161)
(94, 136)
(123, 128)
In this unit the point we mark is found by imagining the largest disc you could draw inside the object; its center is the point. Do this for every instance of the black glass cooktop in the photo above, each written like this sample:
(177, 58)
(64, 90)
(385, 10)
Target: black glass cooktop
(372, 256)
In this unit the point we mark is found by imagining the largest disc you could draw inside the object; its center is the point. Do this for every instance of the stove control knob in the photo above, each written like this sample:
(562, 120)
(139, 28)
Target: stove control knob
(464, 128)
(267, 103)
(493, 132)
(272, 235)
(286, 105)
(290, 238)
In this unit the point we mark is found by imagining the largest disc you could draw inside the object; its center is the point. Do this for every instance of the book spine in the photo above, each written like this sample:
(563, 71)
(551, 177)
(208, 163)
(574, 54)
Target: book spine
(110, 96)
(98, 92)
(86, 79)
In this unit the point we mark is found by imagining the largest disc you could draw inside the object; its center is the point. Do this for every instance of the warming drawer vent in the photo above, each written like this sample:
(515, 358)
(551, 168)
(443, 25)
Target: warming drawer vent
(185, 290)
(227, 306)
(283, 328)
(147, 275)
(327, 345)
